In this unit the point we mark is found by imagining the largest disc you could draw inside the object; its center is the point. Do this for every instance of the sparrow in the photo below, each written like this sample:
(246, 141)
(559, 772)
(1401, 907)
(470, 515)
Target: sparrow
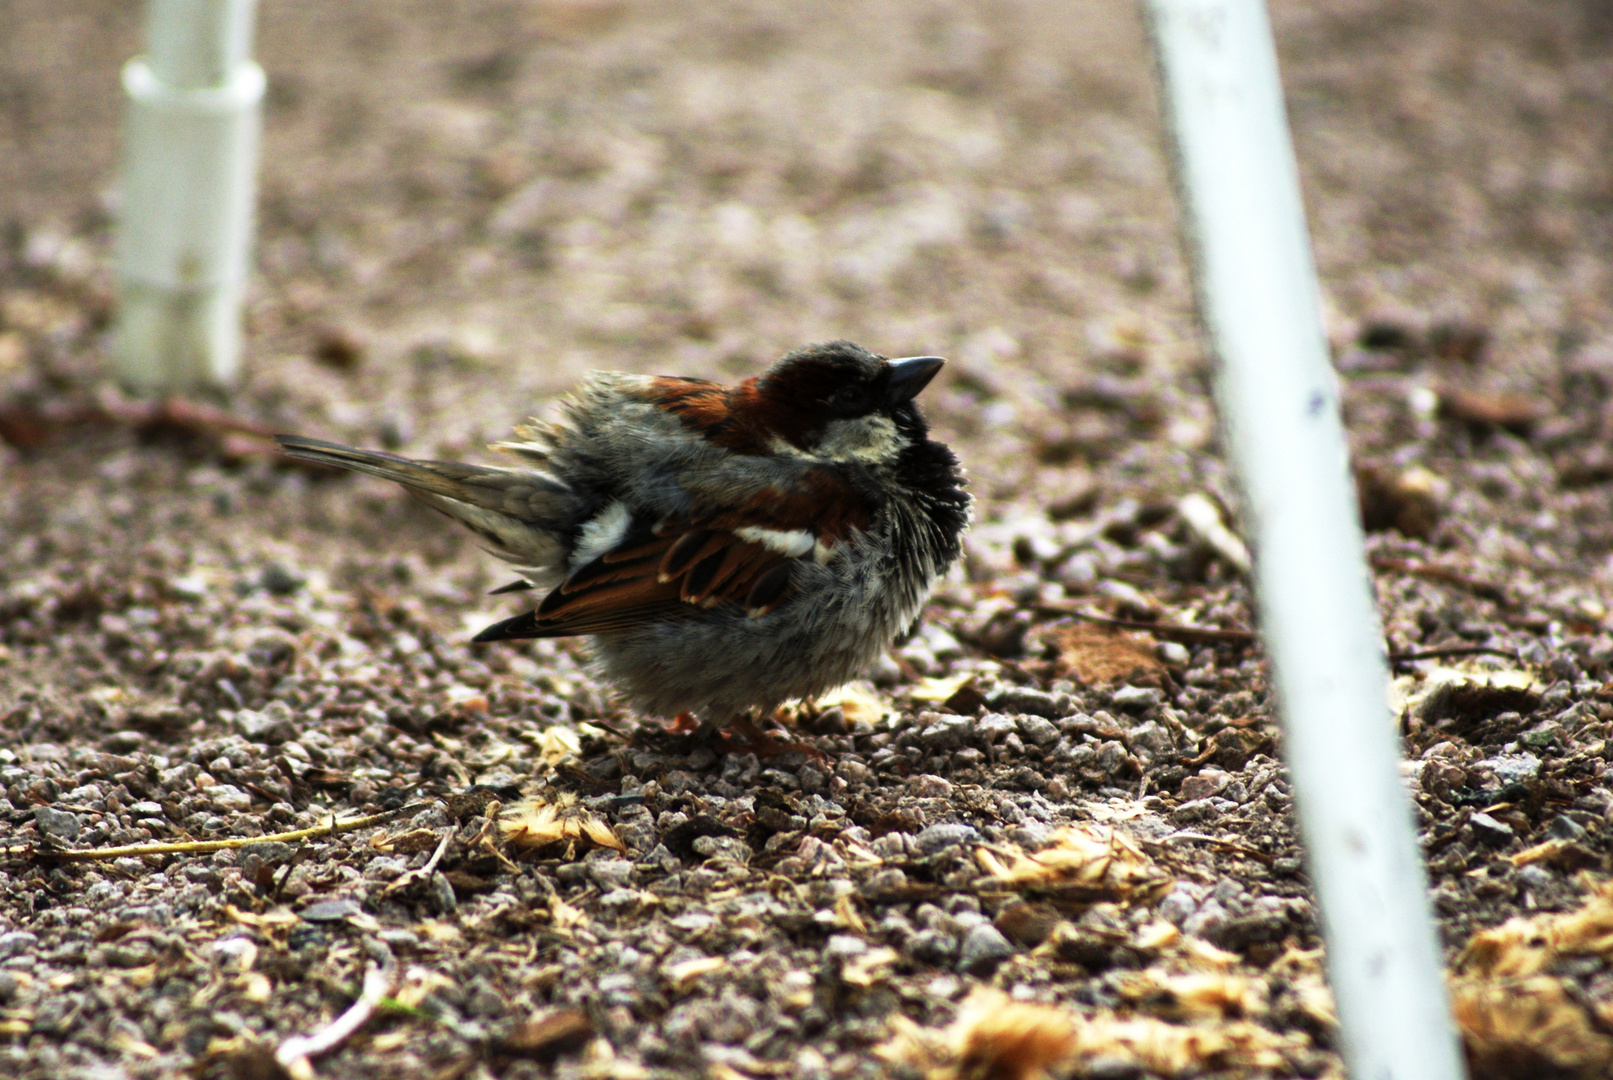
(727, 548)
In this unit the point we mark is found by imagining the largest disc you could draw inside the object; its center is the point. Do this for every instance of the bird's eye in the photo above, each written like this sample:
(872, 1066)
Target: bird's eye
(848, 396)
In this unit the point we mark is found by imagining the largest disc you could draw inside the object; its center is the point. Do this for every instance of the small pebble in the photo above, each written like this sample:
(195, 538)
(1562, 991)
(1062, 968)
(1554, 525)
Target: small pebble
(937, 838)
(279, 579)
(1137, 698)
(983, 948)
(16, 942)
(57, 824)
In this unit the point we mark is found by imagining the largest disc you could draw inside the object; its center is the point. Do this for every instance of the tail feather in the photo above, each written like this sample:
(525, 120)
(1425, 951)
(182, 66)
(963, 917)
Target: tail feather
(520, 513)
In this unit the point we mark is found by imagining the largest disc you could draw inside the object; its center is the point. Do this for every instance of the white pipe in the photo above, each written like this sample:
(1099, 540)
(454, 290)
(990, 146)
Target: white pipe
(1279, 403)
(189, 168)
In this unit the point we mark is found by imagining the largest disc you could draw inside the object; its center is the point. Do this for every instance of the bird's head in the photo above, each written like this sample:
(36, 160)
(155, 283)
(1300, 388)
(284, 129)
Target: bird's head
(840, 402)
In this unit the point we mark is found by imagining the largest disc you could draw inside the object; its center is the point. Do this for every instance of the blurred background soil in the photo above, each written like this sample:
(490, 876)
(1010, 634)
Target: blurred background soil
(465, 206)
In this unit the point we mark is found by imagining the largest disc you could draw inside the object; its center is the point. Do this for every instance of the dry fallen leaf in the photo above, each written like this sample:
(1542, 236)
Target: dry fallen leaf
(1200, 953)
(1407, 501)
(1464, 694)
(1100, 656)
(846, 915)
(1515, 412)
(1565, 854)
(1086, 860)
(254, 986)
(419, 983)
(1517, 1017)
(269, 919)
(858, 701)
(1517, 1029)
(682, 976)
(550, 1033)
(532, 824)
(997, 1038)
(407, 842)
(557, 743)
(1193, 996)
(564, 916)
(870, 967)
(940, 689)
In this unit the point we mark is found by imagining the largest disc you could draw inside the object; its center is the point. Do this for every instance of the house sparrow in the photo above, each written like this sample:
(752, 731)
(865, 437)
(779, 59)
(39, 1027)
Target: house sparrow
(729, 549)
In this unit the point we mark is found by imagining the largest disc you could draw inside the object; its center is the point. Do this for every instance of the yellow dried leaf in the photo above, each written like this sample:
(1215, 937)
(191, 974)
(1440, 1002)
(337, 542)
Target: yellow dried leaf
(870, 967)
(996, 1037)
(407, 842)
(683, 975)
(856, 855)
(564, 916)
(1511, 1007)
(142, 976)
(939, 689)
(1521, 947)
(533, 824)
(1545, 852)
(858, 701)
(557, 743)
(419, 983)
(1158, 935)
(1195, 996)
(125, 1043)
(1315, 999)
(268, 920)
(1200, 953)
(1096, 860)
(847, 916)
(438, 932)
(1531, 1020)
(387, 1041)
(1412, 691)
(255, 987)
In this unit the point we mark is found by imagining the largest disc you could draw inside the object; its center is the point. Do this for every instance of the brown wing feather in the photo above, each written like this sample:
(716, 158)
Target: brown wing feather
(694, 566)
(608, 596)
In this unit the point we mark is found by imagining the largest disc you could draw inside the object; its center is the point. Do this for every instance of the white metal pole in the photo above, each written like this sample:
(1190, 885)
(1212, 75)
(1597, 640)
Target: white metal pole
(189, 167)
(1278, 397)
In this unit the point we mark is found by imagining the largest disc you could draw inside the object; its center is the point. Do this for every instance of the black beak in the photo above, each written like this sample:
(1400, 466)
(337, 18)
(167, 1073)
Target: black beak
(908, 377)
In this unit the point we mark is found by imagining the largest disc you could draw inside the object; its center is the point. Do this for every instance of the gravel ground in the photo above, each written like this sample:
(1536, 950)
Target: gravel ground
(1052, 828)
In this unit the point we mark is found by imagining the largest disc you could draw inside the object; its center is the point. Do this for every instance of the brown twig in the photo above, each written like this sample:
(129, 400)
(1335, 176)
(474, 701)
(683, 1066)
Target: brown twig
(1168, 631)
(1228, 846)
(29, 425)
(1455, 650)
(414, 877)
(1484, 590)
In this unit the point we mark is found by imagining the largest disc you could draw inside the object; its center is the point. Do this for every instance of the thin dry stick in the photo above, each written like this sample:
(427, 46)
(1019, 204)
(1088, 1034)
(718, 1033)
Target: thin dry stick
(1169, 631)
(1204, 518)
(202, 847)
(1232, 846)
(1455, 650)
(293, 1054)
(425, 872)
(1484, 590)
